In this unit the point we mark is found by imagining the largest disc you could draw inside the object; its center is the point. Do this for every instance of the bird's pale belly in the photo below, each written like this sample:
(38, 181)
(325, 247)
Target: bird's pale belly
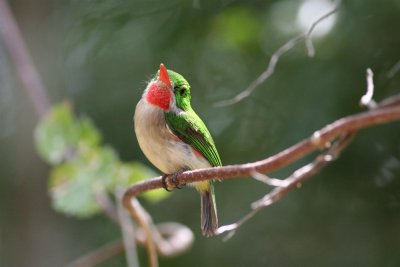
(162, 148)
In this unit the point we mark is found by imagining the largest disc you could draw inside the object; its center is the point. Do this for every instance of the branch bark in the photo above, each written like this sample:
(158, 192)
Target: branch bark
(18, 51)
(388, 111)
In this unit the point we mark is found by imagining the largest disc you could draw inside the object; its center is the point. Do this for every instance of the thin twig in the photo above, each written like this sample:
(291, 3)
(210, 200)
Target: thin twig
(231, 228)
(393, 70)
(302, 174)
(390, 102)
(22, 60)
(128, 232)
(143, 219)
(107, 205)
(177, 239)
(366, 99)
(268, 180)
(98, 256)
(171, 239)
(292, 182)
(306, 36)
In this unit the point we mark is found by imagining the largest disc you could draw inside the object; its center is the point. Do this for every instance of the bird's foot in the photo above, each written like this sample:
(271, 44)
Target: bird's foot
(164, 182)
(172, 180)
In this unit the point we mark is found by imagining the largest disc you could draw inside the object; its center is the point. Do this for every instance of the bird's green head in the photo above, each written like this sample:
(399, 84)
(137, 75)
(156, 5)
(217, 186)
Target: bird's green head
(168, 89)
(181, 90)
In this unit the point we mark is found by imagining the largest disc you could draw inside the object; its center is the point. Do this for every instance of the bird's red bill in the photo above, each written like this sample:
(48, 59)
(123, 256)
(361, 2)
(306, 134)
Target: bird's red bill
(164, 75)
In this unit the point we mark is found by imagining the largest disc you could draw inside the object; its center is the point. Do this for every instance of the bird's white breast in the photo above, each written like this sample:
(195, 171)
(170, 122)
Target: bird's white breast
(163, 149)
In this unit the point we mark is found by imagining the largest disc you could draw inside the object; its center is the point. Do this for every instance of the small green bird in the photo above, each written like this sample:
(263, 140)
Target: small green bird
(174, 138)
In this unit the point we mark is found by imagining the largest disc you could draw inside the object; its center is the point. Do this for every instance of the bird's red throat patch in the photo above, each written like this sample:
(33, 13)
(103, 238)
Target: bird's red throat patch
(159, 95)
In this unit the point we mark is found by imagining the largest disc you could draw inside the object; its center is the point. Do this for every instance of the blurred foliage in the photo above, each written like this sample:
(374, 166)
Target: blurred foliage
(82, 167)
(60, 136)
(238, 28)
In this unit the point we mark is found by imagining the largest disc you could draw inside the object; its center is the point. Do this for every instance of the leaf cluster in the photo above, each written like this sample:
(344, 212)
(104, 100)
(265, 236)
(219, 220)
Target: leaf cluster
(81, 166)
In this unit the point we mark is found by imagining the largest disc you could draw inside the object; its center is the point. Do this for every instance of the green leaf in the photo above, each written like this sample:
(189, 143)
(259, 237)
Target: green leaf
(130, 173)
(88, 133)
(83, 168)
(56, 134)
(156, 195)
(74, 185)
(72, 192)
(59, 134)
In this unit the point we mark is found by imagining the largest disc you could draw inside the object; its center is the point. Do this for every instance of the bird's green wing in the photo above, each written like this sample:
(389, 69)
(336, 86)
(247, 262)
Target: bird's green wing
(192, 130)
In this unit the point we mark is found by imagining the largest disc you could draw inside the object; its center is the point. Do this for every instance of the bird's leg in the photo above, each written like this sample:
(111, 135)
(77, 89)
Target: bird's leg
(164, 182)
(173, 179)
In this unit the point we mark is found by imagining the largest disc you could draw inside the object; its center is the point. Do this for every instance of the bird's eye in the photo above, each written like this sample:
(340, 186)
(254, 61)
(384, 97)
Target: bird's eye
(182, 91)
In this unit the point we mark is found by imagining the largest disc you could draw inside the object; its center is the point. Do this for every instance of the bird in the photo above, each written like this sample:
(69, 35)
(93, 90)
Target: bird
(174, 138)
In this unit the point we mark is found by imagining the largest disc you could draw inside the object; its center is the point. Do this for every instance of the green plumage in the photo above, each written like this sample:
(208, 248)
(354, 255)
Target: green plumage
(187, 125)
(190, 129)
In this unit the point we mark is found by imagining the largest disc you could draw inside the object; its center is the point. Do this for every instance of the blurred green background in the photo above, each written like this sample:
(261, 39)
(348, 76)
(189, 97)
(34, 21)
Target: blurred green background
(98, 55)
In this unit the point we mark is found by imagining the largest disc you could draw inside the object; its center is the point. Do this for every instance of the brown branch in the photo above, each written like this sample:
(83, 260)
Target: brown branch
(287, 185)
(171, 239)
(302, 174)
(177, 239)
(142, 218)
(380, 115)
(24, 66)
(128, 231)
(298, 177)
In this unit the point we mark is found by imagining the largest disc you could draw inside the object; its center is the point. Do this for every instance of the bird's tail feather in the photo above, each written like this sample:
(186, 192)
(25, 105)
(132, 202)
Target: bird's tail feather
(209, 219)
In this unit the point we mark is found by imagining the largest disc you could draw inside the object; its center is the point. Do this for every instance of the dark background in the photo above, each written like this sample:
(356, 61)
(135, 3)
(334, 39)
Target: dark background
(99, 55)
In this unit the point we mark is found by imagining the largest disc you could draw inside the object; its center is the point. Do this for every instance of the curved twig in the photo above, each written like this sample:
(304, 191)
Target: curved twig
(286, 47)
(144, 221)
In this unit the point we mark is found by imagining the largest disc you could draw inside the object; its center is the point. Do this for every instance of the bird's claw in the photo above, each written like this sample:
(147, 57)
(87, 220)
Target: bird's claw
(172, 180)
(164, 182)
